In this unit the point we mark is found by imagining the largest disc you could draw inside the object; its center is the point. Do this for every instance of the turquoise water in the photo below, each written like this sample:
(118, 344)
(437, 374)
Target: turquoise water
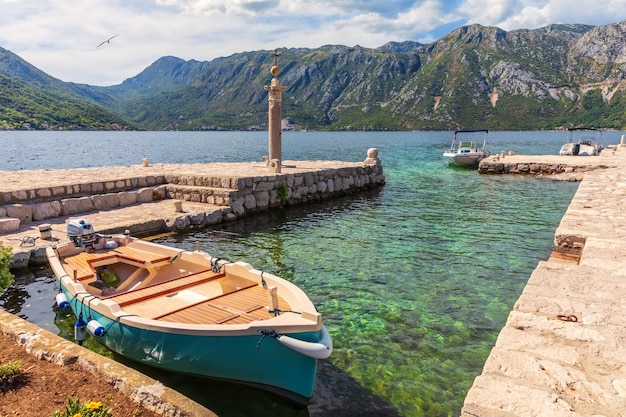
(414, 280)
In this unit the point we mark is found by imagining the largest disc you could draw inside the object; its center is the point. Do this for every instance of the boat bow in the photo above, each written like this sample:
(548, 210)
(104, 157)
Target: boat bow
(317, 350)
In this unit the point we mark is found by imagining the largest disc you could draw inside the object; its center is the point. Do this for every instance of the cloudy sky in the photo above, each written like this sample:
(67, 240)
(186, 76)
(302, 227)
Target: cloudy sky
(61, 37)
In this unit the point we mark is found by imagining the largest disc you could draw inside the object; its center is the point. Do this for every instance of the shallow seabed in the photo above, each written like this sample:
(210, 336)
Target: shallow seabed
(414, 280)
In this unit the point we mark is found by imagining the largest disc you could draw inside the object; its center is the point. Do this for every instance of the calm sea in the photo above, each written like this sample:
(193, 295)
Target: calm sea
(414, 280)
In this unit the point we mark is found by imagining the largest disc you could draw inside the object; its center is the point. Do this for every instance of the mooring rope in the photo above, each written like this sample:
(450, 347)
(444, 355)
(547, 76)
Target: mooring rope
(214, 265)
(264, 333)
(117, 320)
(26, 240)
(277, 311)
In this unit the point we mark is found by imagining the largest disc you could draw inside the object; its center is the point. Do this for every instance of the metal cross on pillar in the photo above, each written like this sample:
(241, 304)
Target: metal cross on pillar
(275, 98)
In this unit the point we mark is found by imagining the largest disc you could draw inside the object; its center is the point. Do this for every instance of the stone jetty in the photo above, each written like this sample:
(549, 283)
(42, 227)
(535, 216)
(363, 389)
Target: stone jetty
(562, 352)
(556, 166)
(148, 199)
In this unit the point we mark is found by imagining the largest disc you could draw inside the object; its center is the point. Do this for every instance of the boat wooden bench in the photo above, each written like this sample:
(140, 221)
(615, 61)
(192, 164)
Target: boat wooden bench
(241, 306)
(164, 287)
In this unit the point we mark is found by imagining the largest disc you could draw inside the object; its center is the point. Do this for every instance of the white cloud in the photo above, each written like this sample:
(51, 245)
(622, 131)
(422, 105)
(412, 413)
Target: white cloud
(60, 36)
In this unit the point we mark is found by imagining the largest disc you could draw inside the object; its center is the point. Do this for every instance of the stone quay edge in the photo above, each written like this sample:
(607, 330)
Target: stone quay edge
(562, 351)
(140, 388)
(148, 199)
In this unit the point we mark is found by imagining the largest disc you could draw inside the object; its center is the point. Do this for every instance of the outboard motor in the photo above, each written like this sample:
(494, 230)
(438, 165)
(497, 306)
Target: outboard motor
(81, 233)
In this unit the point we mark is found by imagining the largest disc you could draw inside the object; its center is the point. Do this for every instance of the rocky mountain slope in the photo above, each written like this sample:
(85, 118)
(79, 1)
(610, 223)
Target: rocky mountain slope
(475, 77)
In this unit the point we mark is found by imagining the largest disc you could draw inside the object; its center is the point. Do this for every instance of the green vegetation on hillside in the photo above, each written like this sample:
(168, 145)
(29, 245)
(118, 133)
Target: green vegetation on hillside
(27, 107)
(474, 77)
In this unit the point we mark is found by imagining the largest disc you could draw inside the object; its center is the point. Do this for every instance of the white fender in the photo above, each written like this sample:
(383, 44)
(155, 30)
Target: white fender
(319, 350)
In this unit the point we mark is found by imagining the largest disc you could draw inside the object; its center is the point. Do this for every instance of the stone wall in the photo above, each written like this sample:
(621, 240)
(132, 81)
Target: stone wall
(496, 166)
(249, 194)
(44, 194)
(14, 215)
(237, 196)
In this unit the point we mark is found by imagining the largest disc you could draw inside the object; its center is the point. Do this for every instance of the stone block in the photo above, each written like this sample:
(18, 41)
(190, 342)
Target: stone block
(238, 207)
(19, 260)
(330, 185)
(105, 201)
(214, 217)
(159, 193)
(264, 186)
(144, 195)
(262, 199)
(196, 219)
(72, 206)
(229, 217)
(178, 223)
(249, 202)
(47, 210)
(20, 211)
(43, 192)
(8, 224)
(127, 198)
(58, 191)
(20, 195)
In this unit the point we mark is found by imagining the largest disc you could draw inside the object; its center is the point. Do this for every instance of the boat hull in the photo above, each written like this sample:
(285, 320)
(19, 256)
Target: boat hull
(250, 359)
(211, 323)
(464, 159)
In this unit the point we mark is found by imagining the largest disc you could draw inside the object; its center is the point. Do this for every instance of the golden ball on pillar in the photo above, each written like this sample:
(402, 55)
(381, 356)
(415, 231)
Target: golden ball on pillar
(275, 70)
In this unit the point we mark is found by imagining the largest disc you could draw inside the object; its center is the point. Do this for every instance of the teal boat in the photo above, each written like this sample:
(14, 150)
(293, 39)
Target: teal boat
(188, 312)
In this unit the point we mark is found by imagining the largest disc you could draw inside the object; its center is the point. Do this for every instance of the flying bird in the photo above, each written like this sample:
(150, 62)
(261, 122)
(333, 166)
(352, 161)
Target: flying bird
(107, 41)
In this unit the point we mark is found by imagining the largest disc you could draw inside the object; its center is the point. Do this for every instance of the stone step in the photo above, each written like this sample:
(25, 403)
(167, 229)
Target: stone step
(58, 192)
(31, 212)
(202, 194)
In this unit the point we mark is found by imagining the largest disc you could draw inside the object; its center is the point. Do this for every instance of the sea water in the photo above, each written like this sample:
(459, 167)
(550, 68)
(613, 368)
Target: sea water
(414, 280)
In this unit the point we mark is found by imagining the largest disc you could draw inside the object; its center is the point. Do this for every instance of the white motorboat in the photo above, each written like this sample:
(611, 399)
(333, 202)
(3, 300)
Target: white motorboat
(466, 152)
(582, 141)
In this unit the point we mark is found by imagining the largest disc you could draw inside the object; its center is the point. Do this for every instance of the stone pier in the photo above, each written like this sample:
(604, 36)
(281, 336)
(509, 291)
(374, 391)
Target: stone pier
(562, 352)
(150, 199)
(555, 166)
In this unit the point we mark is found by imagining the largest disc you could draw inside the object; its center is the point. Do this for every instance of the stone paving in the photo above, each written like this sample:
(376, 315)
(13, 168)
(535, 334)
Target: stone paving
(562, 352)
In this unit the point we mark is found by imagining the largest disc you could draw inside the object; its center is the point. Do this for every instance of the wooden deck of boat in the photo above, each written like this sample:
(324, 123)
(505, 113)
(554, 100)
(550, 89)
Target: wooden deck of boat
(239, 306)
(81, 261)
(164, 287)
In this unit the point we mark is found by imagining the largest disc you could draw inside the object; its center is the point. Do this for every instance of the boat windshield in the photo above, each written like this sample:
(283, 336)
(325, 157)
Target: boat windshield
(466, 144)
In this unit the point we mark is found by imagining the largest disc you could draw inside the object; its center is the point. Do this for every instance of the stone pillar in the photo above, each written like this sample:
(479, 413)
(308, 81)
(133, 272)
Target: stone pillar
(275, 98)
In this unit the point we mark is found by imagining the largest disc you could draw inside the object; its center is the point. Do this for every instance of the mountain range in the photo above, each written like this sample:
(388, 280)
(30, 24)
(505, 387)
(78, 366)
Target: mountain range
(475, 77)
